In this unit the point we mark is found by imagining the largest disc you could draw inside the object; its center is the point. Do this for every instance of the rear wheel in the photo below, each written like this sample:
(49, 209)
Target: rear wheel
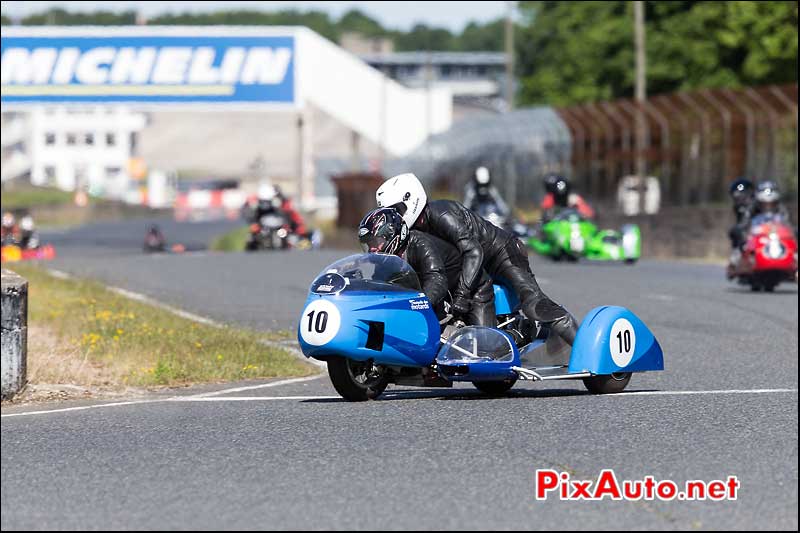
(630, 261)
(495, 388)
(356, 381)
(607, 384)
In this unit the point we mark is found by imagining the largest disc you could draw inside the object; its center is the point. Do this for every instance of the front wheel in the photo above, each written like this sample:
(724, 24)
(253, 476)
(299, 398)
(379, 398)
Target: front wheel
(356, 381)
(607, 384)
(495, 388)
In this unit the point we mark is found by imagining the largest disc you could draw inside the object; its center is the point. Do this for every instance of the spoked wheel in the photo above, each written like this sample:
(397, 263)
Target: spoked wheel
(607, 384)
(495, 388)
(356, 381)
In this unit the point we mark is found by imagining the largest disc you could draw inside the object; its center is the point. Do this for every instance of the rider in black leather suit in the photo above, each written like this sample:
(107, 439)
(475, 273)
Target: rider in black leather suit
(437, 263)
(742, 192)
(485, 246)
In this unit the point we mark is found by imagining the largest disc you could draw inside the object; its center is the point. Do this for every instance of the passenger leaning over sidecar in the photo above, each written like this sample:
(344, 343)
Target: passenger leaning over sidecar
(482, 246)
(437, 263)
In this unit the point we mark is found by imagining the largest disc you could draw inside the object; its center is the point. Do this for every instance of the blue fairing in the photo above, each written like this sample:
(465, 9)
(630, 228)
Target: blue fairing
(505, 301)
(409, 329)
(613, 339)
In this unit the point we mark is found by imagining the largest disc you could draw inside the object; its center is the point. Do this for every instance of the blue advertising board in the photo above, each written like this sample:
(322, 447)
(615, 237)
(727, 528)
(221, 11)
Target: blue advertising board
(149, 69)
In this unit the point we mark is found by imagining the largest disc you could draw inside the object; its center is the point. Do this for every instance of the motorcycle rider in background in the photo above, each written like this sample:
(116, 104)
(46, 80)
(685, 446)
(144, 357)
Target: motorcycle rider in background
(267, 201)
(270, 199)
(28, 236)
(558, 197)
(768, 202)
(296, 221)
(480, 191)
(436, 262)
(10, 232)
(482, 246)
(748, 203)
(742, 194)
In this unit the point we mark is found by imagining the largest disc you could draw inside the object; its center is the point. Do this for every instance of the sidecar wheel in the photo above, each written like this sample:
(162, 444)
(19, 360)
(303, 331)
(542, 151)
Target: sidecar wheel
(495, 388)
(356, 381)
(607, 384)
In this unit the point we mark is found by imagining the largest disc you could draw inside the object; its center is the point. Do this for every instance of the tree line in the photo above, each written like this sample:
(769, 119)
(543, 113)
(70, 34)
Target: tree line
(567, 52)
(475, 36)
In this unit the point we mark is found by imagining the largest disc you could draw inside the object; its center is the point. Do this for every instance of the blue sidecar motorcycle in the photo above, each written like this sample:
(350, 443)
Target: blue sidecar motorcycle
(367, 317)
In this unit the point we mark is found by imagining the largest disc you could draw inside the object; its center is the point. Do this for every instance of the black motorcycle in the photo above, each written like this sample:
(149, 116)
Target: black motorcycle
(271, 232)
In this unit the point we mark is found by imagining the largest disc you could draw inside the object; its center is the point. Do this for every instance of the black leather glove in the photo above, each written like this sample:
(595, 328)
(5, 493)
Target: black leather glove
(461, 306)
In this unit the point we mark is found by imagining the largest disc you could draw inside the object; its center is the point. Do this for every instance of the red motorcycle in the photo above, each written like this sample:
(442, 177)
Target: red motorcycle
(769, 255)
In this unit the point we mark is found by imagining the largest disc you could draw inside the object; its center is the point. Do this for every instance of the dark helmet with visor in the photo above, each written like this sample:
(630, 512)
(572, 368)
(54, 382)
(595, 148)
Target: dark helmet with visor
(383, 230)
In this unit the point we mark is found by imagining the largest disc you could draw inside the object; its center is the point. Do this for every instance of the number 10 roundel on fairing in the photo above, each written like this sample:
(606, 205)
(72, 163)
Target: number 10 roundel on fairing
(630, 344)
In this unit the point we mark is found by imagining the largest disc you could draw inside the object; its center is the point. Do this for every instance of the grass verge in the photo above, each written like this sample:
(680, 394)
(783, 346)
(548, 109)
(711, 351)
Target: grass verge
(26, 197)
(93, 336)
(233, 241)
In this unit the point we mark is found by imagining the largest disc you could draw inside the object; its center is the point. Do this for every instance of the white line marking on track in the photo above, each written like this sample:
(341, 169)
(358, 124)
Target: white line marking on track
(689, 392)
(81, 408)
(202, 398)
(174, 310)
(252, 398)
(254, 387)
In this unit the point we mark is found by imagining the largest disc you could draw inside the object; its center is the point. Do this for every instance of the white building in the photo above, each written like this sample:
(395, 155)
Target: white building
(91, 149)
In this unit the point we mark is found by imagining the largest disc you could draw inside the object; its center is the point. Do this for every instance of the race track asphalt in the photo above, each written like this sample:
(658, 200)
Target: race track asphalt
(293, 456)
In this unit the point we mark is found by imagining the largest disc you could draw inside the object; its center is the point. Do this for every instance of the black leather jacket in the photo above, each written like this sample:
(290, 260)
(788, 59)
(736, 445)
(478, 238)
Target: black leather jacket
(437, 264)
(474, 237)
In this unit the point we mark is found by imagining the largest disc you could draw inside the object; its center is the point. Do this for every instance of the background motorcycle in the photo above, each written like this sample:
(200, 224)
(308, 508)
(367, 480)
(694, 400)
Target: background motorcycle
(570, 236)
(271, 232)
(491, 212)
(769, 256)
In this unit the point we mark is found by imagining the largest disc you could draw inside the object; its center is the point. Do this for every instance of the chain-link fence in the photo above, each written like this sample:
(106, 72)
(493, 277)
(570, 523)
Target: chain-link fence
(693, 142)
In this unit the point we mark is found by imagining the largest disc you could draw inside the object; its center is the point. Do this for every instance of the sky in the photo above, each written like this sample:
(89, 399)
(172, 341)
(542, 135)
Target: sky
(395, 15)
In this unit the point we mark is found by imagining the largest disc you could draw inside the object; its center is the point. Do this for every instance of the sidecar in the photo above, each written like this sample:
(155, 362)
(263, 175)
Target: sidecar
(367, 317)
(570, 236)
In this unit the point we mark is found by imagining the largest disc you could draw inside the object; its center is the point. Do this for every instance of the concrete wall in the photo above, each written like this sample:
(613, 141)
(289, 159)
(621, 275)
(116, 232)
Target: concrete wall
(14, 333)
(692, 232)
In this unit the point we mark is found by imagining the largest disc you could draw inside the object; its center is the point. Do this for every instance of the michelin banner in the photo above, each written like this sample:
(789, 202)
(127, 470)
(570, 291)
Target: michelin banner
(148, 69)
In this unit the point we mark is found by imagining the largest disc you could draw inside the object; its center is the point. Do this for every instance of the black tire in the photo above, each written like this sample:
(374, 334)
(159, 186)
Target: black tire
(495, 388)
(769, 287)
(755, 287)
(607, 384)
(345, 375)
(630, 261)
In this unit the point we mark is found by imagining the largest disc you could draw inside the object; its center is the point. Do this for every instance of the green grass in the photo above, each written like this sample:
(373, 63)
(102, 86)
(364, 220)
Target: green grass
(233, 241)
(28, 196)
(142, 345)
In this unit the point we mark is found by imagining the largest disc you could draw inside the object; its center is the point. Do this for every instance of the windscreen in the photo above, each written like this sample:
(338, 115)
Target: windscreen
(367, 272)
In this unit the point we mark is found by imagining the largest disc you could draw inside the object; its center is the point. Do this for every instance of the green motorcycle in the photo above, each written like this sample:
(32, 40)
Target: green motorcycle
(570, 236)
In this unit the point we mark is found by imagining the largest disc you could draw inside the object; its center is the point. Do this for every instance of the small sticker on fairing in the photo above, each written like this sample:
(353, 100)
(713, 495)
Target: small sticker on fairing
(418, 305)
(622, 342)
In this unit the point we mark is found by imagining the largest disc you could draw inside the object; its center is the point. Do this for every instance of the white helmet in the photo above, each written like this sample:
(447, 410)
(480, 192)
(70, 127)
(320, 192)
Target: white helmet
(482, 176)
(406, 194)
(266, 192)
(26, 223)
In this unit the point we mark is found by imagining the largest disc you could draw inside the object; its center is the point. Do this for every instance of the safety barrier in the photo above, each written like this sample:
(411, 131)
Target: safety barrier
(14, 333)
